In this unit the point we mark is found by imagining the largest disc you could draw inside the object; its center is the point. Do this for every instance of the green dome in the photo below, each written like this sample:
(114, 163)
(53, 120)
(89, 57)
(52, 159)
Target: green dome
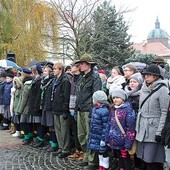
(157, 32)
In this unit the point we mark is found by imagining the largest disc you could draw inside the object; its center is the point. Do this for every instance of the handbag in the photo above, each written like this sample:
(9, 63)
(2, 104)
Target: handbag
(131, 151)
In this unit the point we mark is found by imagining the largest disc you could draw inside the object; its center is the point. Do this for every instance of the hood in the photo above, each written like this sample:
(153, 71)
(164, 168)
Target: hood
(154, 85)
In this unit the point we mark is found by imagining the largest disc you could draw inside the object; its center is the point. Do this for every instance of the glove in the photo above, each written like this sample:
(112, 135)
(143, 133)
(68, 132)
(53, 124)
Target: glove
(158, 139)
(102, 143)
(65, 116)
(72, 113)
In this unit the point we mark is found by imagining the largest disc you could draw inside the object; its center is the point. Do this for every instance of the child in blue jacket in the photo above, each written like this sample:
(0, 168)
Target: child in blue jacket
(6, 100)
(118, 140)
(98, 126)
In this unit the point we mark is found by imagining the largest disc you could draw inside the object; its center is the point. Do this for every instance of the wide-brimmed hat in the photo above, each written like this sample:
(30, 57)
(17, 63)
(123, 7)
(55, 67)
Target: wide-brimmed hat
(86, 58)
(152, 69)
(158, 59)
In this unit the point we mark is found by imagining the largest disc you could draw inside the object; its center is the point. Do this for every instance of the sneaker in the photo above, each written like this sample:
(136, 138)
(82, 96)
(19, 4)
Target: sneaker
(16, 134)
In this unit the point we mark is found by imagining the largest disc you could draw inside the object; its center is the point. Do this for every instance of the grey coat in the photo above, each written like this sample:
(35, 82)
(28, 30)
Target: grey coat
(151, 117)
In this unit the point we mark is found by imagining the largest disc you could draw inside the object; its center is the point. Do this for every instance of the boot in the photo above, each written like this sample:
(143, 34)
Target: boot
(13, 130)
(16, 134)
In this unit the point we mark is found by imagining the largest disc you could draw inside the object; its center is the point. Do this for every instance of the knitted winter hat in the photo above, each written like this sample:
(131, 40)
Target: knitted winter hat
(118, 92)
(138, 77)
(100, 96)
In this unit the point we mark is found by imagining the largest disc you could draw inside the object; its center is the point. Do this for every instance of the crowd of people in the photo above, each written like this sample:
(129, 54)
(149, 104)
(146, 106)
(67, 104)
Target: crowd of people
(106, 121)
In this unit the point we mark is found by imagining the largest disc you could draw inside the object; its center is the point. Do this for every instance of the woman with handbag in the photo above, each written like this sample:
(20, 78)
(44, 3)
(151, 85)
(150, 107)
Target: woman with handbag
(153, 105)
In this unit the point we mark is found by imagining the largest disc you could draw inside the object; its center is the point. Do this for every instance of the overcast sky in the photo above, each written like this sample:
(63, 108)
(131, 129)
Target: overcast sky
(144, 17)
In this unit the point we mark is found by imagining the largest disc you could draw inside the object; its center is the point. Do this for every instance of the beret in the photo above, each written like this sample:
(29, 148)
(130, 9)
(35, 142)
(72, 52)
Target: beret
(26, 70)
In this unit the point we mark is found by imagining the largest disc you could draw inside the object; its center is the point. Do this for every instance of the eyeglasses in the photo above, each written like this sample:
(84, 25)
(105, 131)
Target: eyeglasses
(126, 70)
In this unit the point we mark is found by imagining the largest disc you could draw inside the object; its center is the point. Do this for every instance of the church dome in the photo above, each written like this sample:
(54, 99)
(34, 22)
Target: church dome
(157, 32)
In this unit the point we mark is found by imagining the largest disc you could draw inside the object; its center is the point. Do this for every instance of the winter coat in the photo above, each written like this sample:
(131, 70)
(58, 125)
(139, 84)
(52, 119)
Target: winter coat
(2, 86)
(35, 97)
(98, 127)
(7, 94)
(127, 118)
(60, 96)
(17, 96)
(46, 87)
(151, 117)
(25, 94)
(133, 98)
(12, 101)
(87, 85)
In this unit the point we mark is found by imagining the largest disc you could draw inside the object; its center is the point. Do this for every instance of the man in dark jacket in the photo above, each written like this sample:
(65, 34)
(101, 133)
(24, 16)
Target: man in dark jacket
(75, 71)
(60, 98)
(89, 83)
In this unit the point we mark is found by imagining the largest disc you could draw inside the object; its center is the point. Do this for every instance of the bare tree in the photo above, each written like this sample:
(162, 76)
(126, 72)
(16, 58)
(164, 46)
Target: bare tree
(75, 16)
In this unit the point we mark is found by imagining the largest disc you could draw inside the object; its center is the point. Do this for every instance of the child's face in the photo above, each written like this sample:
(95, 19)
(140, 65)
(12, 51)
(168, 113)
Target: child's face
(45, 72)
(117, 101)
(8, 79)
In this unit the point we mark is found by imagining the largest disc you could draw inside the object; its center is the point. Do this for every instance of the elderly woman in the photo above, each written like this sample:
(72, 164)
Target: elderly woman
(151, 119)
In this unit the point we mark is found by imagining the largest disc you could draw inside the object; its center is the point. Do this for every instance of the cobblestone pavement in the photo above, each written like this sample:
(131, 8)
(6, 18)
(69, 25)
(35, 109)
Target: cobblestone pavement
(15, 156)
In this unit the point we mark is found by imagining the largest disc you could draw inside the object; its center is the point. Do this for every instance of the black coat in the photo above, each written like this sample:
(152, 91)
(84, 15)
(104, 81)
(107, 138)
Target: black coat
(60, 96)
(46, 86)
(35, 97)
(87, 85)
(2, 86)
